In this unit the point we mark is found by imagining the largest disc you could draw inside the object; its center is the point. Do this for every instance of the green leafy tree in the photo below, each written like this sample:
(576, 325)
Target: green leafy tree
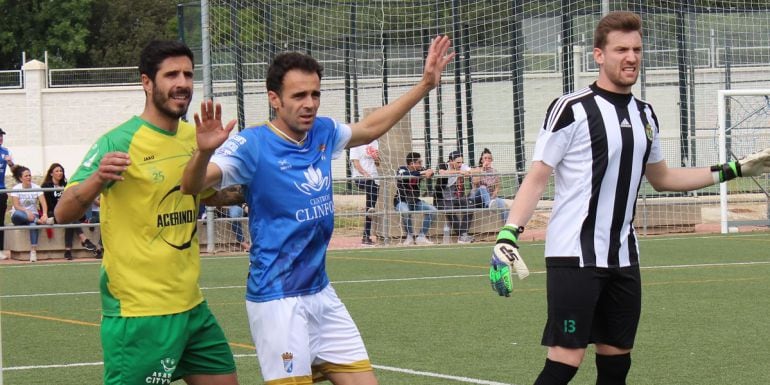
(59, 27)
(121, 28)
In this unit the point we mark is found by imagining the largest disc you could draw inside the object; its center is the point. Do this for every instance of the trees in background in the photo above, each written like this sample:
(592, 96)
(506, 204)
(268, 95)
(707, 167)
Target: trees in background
(82, 33)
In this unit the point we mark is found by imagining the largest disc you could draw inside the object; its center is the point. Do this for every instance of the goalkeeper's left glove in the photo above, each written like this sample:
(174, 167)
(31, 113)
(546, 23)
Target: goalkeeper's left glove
(754, 164)
(505, 256)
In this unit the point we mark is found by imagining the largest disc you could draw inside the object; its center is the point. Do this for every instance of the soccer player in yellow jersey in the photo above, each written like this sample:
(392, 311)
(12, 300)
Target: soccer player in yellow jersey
(156, 326)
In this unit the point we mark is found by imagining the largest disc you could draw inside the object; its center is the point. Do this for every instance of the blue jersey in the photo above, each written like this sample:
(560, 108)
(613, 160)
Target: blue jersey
(3, 165)
(291, 207)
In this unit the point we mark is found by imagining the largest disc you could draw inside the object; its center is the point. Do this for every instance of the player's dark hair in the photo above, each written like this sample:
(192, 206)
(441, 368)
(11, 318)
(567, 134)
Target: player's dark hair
(17, 170)
(49, 174)
(157, 51)
(411, 157)
(287, 61)
(616, 21)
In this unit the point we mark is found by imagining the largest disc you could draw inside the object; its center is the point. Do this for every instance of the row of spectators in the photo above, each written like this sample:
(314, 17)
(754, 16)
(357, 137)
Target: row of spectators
(450, 192)
(31, 206)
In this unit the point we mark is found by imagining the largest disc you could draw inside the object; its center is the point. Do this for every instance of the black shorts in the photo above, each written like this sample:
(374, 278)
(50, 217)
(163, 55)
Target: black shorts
(591, 305)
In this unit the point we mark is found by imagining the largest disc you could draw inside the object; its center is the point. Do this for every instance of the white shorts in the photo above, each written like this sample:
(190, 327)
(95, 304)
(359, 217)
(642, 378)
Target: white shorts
(302, 338)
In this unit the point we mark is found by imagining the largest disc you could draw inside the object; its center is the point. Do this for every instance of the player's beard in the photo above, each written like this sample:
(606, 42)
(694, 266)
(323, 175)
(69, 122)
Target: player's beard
(161, 102)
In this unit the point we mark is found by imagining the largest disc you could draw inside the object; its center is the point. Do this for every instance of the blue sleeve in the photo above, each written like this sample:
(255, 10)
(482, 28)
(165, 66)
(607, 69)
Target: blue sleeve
(237, 158)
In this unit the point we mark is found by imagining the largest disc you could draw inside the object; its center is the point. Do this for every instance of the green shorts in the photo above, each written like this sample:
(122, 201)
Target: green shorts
(162, 349)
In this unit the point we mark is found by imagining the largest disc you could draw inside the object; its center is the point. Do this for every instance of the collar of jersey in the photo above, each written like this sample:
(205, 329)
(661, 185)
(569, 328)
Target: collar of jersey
(286, 137)
(612, 97)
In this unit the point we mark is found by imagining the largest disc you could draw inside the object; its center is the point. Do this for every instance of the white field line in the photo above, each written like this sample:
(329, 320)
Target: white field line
(466, 380)
(660, 267)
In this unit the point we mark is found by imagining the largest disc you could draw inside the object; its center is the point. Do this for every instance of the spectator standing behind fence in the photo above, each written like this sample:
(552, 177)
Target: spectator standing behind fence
(365, 159)
(486, 185)
(407, 199)
(93, 216)
(56, 178)
(451, 195)
(235, 213)
(29, 207)
(6, 160)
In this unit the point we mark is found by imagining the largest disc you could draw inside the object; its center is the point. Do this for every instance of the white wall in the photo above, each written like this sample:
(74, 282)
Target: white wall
(58, 125)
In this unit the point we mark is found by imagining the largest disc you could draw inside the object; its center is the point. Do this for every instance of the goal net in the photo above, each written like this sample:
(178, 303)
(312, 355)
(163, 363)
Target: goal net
(744, 128)
(513, 59)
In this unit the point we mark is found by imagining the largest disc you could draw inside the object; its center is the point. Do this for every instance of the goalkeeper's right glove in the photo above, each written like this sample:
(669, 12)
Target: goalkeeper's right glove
(505, 256)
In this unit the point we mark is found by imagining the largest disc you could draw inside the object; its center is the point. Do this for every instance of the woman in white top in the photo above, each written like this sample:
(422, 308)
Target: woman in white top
(29, 207)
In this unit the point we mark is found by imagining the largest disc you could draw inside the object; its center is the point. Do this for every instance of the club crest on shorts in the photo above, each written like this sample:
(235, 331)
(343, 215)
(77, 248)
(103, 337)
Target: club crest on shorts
(169, 364)
(288, 362)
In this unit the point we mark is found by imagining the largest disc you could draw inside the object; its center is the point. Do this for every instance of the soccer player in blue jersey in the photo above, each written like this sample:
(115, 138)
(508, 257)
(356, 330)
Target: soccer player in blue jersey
(301, 329)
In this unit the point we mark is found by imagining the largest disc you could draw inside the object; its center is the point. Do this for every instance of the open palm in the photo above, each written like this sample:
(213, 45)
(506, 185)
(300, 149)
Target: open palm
(209, 131)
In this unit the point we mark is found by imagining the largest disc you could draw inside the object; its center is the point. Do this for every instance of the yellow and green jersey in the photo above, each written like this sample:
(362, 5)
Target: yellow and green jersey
(151, 259)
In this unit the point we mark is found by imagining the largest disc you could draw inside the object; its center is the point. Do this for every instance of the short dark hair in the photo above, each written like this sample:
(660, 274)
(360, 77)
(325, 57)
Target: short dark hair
(411, 157)
(157, 51)
(616, 21)
(287, 61)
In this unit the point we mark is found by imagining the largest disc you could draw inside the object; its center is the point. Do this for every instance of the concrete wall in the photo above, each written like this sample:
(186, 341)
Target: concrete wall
(46, 125)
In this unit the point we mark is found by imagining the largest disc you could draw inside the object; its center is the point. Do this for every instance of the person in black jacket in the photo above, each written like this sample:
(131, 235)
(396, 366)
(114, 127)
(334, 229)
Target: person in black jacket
(407, 199)
(55, 177)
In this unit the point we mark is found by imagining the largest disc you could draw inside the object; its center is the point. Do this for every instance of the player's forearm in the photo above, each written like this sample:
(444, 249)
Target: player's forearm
(76, 200)
(663, 178)
(194, 177)
(529, 194)
(229, 196)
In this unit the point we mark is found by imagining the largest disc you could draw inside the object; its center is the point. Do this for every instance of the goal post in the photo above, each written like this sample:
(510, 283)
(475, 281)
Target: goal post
(743, 128)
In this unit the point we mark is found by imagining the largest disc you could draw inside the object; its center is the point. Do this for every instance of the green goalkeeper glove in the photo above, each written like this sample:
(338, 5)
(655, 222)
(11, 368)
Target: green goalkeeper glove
(505, 260)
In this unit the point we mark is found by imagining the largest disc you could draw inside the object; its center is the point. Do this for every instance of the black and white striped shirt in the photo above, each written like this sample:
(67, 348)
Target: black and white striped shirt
(598, 143)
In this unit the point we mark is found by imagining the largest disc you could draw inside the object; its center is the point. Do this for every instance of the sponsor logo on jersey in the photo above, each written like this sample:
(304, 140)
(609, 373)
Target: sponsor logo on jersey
(284, 164)
(231, 145)
(315, 181)
(321, 207)
(176, 218)
(625, 124)
(90, 160)
(174, 210)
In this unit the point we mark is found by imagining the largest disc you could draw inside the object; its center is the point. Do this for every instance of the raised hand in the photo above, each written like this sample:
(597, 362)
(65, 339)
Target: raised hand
(209, 131)
(436, 60)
